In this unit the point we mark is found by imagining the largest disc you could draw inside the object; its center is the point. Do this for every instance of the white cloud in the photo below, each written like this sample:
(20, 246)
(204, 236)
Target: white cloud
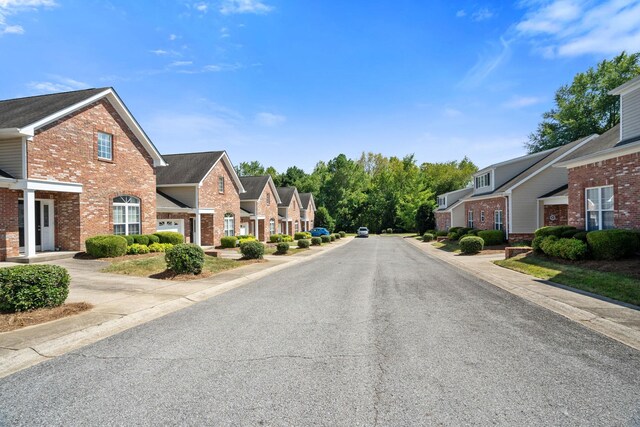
(230, 7)
(159, 52)
(172, 37)
(521, 102)
(451, 112)
(180, 63)
(269, 119)
(461, 13)
(59, 84)
(201, 7)
(482, 14)
(565, 28)
(224, 33)
(13, 7)
(486, 65)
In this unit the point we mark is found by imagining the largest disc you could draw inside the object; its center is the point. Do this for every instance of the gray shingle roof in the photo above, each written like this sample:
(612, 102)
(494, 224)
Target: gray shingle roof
(253, 186)
(20, 112)
(187, 168)
(305, 199)
(166, 201)
(560, 191)
(607, 140)
(5, 175)
(286, 194)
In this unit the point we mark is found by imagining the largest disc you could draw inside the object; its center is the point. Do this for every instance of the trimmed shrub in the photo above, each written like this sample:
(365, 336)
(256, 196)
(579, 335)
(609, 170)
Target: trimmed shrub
(130, 240)
(140, 239)
(341, 233)
(185, 258)
(106, 246)
(332, 237)
(535, 244)
(427, 237)
(275, 238)
(153, 238)
(454, 229)
(316, 241)
(137, 249)
(172, 237)
(471, 244)
(157, 247)
(304, 243)
(26, 287)
(252, 250)
(581, 235)
(389, 230)
(546, 245)
(571, 249)
(166, 246)
(337, 236)
(567, 234)
(246, 237)
(613, 244)
(492, 237)
(228, 241)
(282, 248)
(441, 233)
(326, 239)
(301, 235)
(555, 230)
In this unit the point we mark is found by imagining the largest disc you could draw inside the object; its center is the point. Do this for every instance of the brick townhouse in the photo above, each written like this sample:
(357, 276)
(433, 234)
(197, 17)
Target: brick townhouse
(198, 195)
(307, 211)
(72, 165)
(289, 210)
(259, 205)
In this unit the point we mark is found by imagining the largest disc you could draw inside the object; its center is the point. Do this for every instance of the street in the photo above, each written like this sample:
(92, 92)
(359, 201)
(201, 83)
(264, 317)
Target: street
(372, 333)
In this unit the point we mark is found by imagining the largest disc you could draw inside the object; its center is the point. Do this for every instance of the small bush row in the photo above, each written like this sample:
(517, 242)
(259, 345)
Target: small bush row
(110, 246)
(571, 243)
(275, 238)
(301, 235)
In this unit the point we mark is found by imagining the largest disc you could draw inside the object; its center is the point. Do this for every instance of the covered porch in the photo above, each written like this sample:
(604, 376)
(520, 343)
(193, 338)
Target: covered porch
(553, 208)
(196, 225)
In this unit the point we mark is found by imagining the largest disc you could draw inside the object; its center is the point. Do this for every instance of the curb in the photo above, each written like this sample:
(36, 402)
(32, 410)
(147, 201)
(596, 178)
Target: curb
(621, 333)
(27, 357)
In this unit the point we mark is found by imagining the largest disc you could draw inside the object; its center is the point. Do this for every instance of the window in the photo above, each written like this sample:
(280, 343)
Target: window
(483, 180)
(442, 201)
(497, 220)
(599, 208)
(470, 220)
(105, 146)
(268, 199)
(272, 226)
(126, 215)
(297, 227)
(482, 217)
(229, 224)
(221, 184)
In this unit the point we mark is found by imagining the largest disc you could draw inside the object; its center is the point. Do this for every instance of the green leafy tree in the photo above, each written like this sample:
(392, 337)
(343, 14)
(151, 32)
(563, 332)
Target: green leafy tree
(425, 217)
(585, 107)
(449, 176)
(253, 168)
(324, 219)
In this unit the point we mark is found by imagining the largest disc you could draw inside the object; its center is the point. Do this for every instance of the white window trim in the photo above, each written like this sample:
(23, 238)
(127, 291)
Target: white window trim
(498, 213)
(221, 184)
(470, 219)
(227, 231)
(482, 217)
(600, 210)
(110, 148)
(483, 181)
(126, 222)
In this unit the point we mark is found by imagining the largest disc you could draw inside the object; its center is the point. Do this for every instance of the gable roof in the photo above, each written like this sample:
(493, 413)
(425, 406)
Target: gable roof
(254, 186)
(164, 200)
(22, 116)
(286, 194)
(536, 156)
(305, 199)
(560, 191)
(3, 174)
(187, 168)
(462, 194)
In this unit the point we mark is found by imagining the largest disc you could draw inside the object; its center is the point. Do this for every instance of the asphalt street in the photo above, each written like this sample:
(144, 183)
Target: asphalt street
(372, 333)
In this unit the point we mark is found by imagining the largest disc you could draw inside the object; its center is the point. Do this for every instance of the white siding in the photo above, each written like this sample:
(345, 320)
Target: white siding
(186, 195)
(505, 173)
(524, 198)
(11, 157)
(459, 216)
(630, 115)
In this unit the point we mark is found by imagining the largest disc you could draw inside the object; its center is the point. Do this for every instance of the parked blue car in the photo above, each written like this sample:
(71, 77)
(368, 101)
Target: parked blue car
(319, 231)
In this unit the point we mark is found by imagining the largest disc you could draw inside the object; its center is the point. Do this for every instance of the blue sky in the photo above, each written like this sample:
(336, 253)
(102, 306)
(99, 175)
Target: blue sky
(293, 82)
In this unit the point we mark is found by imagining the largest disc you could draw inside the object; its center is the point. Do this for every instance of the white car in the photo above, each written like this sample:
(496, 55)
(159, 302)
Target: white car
(363, 232)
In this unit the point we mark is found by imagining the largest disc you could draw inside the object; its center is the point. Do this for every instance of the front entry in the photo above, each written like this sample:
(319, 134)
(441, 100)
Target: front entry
(45, 240)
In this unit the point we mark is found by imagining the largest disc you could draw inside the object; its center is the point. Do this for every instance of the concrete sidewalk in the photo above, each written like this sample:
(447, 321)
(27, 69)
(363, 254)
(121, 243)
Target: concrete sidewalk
(614, 319)
(122, 302)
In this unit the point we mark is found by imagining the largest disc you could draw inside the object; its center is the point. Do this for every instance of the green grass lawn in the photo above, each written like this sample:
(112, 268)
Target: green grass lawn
(447, 245)
(155, 266)
(609, 284)
(291, 251)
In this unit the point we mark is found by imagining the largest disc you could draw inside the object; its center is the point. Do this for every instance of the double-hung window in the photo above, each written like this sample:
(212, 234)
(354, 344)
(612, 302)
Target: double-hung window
(105, 146)
(126, 215)
(268, 199)
(221, 184)
(483, 180)
(272, 226)
(229, 225)
(470, 219)
(497, 220)
(599, 208)
(482, 217)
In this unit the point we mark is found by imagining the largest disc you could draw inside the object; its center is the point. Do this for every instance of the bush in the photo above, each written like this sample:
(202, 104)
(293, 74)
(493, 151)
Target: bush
(316, 241)
(158, 247)
(535, 244)
(153, 238)
(342, 234)
(441, 233)
(337, 236)
(252, 250)
(332, 237)
(555, 230)
(27, 287)
(546, 245)
(326, 239)
(581, 235)
(140, 239)
(304, 243)
(137, 248)
(282, 248)
(301, 235)
(130, 240)
(613, 244)
(571, 249)
(492, 237)
(246, 237)
(454, 229)
(568, 234)
(275, 238)
(229, 241)
(172, 237)
(185, 258)
(389, 230)
(106, 246)
(471, 244)
(427, 237)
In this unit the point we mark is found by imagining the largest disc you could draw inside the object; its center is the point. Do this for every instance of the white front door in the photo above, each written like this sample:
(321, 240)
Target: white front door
(176, 225)
(47, 234)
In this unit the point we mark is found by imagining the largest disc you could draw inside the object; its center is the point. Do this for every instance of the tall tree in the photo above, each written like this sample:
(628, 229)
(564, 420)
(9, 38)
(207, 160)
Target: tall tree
(444, 177)
(253, 168)
(584, 107)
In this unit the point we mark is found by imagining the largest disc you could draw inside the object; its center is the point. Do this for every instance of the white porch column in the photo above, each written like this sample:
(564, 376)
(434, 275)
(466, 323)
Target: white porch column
(286, 221)
(255, 223)
(197, 231)
(29, 222)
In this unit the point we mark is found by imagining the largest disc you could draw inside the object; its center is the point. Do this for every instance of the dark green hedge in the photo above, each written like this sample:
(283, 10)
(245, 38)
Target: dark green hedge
(282, 248)
(555, 230)
(106, 246)
(172, 237)
(316, 241)
(492, 237)
(613, 244)
(228, 241)
(27, 287)
(304, 243)
(471, 244)
(185, 258)
(252, 249)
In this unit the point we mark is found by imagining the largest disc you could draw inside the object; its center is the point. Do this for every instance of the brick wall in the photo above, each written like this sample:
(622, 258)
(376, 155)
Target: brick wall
(559, 213)
(66, 150)
(269, 211)
(66, 211)
(227, 202)
(443, 221)
(623, 173)
(9, 244)
(489, 206)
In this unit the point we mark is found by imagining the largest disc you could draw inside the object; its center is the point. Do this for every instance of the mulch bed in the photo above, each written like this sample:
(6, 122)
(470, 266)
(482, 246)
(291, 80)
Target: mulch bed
(13, 321)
